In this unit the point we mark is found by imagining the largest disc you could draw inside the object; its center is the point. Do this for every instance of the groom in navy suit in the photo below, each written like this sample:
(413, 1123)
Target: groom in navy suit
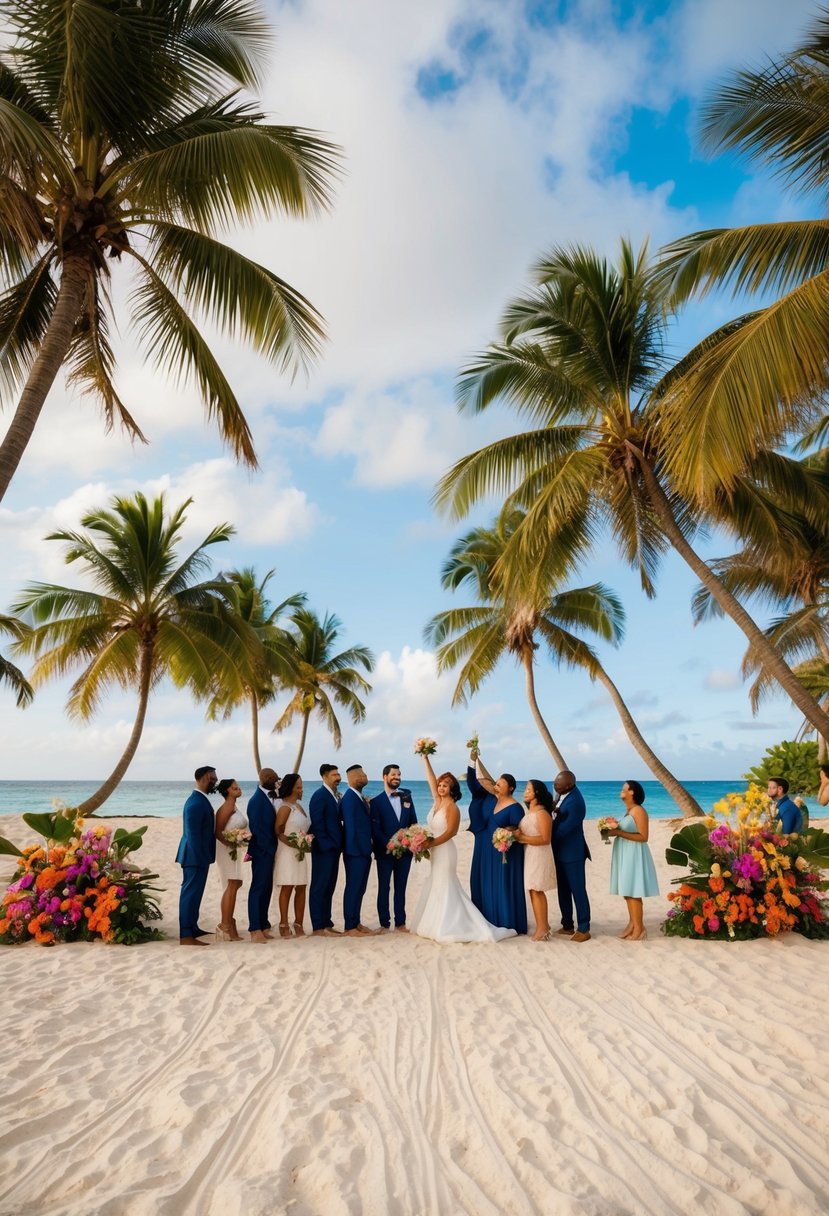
(570, 852)
(196, 854)
(357, 848)
(262, 851)
(390, 811)
(327, 830)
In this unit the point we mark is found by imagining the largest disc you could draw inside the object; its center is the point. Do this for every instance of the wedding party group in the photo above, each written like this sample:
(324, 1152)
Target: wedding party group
(521, 850)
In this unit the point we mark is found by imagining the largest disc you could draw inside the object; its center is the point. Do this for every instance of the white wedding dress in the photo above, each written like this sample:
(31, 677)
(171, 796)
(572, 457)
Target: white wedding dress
(445, 913)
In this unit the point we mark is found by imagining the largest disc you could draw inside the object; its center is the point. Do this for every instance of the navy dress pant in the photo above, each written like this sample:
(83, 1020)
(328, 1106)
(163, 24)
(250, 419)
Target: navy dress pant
(261, 890)
(193, 881)
(356, 880)
(324, 870)
(387, 868)
(572, 889)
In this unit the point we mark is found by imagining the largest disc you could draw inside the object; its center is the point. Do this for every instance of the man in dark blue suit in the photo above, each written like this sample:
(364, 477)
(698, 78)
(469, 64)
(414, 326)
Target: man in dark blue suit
(390, 811)
(196, 854)
(262, 850)
(788, 812)
(570, 852)
(357, 849)
(480, 808)
(327, 829)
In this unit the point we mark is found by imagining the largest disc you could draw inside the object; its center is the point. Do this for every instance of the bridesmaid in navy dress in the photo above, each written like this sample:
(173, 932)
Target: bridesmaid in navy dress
(479, 807)
(502, 885)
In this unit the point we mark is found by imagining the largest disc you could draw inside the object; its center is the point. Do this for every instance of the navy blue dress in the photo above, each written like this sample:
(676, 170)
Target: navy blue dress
(479, 810)
(502, 885)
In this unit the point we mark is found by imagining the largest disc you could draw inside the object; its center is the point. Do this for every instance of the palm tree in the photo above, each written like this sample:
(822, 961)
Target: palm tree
(766, 372)
(9, 674)
(123, 134)
(148, 616)
(269, 665)
(478, 637)
(582, 358)
(322, 679)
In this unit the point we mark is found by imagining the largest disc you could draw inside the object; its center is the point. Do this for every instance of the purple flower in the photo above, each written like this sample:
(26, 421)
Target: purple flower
(747, 869)
(25, 882)
(721, 837)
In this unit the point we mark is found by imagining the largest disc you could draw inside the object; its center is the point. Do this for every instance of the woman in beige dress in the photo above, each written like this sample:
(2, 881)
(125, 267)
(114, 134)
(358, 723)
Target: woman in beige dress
(534, 832)
(292, 872)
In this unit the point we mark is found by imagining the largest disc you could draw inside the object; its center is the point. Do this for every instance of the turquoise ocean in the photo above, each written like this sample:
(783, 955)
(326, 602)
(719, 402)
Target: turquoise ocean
(166, 798)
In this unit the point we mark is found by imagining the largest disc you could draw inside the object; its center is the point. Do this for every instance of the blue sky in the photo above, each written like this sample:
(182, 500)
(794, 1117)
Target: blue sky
(477, 133)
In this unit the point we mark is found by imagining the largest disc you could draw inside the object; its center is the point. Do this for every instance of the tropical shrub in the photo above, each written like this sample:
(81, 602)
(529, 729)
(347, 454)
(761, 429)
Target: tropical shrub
(797, 762)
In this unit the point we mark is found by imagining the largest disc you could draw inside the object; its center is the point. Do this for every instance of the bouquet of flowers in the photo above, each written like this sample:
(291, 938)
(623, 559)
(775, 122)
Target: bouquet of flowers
(399, 843)
(425, 747)
(473, 744)
(419, 840)
(78, 885)
(745, 879)
(301, 841)
(605, 824)
(234, 838)
(502, 840)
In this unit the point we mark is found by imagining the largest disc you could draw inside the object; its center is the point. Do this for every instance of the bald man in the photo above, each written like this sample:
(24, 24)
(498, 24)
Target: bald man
(570, 852)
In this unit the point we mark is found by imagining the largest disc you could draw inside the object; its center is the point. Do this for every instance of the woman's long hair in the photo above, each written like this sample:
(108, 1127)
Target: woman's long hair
(542, 794)
(286, 785)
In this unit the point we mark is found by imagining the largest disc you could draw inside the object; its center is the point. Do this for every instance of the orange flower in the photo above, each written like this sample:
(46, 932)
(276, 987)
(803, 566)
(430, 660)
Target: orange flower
(716, 884)
(699, 925)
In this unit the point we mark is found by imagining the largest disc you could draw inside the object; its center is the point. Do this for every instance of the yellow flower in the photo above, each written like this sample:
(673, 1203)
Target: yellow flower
(715, 869)
(710, 821)
(801, 864)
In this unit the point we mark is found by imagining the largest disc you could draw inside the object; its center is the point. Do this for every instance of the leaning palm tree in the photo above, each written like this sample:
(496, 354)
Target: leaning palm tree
(124, 134)
(477, 638)
(322, 679)
(9, 674)
(269, 666)
(581, 357)
(766, 372)
(149, 615)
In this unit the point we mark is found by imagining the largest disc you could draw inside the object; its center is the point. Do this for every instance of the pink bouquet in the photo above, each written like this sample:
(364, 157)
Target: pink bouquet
(425, 747)
(399, 843)
(301, 841)
(234, 838)
(419, 840)
(605, 824)
(502, 840)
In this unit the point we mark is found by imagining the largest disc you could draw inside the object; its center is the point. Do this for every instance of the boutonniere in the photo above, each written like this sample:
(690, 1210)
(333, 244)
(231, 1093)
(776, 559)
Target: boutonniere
(406, 804)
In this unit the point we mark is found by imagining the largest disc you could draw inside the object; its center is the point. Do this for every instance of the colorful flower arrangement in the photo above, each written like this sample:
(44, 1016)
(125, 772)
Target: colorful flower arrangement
(301, 841)
(605, 824)
(234, 838)
(502, 840)
(425, 747)
(414, 840)
(747, 879)
(78, 886)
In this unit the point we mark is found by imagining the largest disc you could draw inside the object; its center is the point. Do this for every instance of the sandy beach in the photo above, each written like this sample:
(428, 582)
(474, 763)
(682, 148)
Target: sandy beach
(392, 1075)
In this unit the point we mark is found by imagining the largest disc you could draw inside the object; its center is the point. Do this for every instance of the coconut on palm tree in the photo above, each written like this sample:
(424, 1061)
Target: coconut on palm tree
(267, 667)
(505, 622)
(124, 135)
(151, 614)
(9, 673)
(321, 679)
(582, 358)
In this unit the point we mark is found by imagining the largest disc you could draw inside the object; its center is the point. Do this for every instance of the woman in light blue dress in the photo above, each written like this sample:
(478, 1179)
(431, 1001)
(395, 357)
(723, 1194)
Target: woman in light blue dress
(632, 872)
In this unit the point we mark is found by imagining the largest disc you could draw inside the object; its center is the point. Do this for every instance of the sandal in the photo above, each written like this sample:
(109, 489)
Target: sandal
(285, 931)
(298, 929)
(222, 935)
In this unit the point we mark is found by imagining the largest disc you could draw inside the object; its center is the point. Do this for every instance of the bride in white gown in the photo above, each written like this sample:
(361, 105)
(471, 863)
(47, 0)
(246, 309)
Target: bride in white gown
(445, 913)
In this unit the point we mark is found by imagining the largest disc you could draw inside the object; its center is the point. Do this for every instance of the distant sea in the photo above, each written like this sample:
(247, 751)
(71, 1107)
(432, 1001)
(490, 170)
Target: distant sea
(166, 798)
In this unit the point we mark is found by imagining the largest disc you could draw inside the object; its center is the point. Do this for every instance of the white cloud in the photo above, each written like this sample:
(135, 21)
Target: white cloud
(720, 680)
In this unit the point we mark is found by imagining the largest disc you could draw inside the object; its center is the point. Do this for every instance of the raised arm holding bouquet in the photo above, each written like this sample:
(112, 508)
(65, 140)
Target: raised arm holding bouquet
(502, 874)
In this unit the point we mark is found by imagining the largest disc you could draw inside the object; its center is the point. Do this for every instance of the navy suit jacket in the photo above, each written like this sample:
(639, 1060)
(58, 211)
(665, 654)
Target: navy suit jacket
(788, 812)
(481, 805)
(384, 821)
(568, 828)
(198, 842)
(262, 824)
(356, 824)
(326, 822)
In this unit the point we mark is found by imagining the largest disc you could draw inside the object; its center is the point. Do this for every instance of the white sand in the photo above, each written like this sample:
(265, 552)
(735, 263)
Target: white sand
(392, 1075)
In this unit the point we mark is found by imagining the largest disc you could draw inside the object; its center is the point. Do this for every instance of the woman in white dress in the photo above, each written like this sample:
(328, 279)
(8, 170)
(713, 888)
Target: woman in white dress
(292, 871)
(445, 913)
(231, 873)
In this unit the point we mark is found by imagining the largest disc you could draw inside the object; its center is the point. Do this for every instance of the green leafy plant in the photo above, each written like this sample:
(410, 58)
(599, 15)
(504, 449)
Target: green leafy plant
(797, 762)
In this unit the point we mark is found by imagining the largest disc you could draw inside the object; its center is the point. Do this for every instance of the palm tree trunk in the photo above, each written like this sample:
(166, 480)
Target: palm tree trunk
(543, 730)
(145, 668)
(254, 715)
(731, 606)
(689, 806)
(302, 737)
(47, 364)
